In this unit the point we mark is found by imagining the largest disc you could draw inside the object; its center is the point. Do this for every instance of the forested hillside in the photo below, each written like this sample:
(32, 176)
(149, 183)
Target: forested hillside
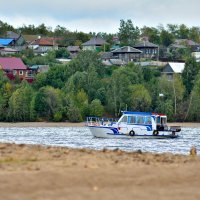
(85, 87)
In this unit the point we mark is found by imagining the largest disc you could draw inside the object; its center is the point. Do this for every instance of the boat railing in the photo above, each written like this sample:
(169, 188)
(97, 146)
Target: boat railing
(100, 121)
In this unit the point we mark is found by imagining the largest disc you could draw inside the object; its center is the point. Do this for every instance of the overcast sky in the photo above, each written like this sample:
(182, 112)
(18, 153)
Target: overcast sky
(99, 15)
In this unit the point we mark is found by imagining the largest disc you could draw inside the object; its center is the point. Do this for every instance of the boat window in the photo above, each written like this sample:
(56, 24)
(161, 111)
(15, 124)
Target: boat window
(131, 119)
(163, 120)
(158, 120)
(140, 120)
(147, 120)
(124, 119)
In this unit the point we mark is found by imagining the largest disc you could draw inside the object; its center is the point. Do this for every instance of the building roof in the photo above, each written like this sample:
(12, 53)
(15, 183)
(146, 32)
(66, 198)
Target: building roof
(106, 55)
(5, 41)
(145, 44)
(9, 50)
(12, 63)
(45, 42)
(187, 42)
(12, 35)
(178, 46)
(73, 48)
(126, 49)
(40, 68)
(97, 40)
(175, 67)
(111, 62)
(30, 38)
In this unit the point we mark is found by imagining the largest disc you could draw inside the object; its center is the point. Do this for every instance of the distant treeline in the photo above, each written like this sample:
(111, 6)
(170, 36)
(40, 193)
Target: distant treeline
(128, 33)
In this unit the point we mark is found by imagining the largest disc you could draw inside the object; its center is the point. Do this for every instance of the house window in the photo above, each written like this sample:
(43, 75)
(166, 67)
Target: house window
(21, 72)
(14, 72)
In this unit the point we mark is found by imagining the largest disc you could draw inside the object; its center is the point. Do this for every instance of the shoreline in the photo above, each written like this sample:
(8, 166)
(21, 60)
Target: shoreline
(66, 173)
(80, 124)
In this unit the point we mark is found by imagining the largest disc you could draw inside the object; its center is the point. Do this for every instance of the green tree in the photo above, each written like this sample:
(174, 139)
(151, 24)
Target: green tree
(40, 80)
(128, 33)
(46, 102)
(55, 77)
(74, 114)
(81, 101)
(183, 31)
(151, 33)
(19, 103)
(6, 90)
(173, 29)
(118, 91)
(83, 61)
(189, 74)
(173, 92)
(140, 99)
(96, 108)
(194, 105)
(62, 53)
(166, 38)
(194, 34)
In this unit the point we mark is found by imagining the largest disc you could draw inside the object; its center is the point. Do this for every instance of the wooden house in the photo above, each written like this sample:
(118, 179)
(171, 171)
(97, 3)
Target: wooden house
(149, 50)
(43, 45)
(17, 38)
(126, 54)
(96, 43)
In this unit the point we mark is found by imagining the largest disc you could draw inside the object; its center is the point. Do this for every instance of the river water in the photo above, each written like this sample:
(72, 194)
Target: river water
(81, 137)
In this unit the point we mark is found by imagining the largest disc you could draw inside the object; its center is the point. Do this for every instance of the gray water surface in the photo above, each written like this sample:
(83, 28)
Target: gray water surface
(81, 137)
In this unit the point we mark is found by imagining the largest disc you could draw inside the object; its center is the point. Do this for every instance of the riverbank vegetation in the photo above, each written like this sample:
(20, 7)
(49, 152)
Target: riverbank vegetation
(85, 87)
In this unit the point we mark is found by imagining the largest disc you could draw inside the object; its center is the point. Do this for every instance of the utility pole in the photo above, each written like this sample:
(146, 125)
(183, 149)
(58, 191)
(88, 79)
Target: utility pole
(174, 96)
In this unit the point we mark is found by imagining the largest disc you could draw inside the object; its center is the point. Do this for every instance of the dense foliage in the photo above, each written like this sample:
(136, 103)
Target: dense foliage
(85, 87)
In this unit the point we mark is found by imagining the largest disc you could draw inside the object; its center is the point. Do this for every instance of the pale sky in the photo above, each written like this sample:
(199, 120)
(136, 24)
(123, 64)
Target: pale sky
(99, 15)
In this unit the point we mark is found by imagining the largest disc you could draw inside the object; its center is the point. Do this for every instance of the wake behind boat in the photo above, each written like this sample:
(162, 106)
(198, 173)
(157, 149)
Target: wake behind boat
(133, 125)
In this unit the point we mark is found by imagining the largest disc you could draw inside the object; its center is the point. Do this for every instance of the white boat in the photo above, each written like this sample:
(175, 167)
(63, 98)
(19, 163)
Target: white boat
(133, 125)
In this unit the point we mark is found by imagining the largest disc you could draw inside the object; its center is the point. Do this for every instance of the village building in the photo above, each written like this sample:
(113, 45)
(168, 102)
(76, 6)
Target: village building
(194, 46)
(8, 51)
(149, 50)
(126, 54)
(172, 68)
(17, 38)
(6, 42)
(44, 45)
(30, 38)
(96, 43)
(14, 67)
(73, 50)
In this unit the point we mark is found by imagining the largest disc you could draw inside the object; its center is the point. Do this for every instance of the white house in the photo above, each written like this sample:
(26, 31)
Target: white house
(173, 68)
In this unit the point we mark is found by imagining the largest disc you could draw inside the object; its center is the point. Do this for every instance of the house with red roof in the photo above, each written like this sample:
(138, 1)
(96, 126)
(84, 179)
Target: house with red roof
(43, 45)
(13, 67)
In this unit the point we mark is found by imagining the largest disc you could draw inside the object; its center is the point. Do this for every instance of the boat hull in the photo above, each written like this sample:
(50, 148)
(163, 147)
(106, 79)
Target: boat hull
(113, 132)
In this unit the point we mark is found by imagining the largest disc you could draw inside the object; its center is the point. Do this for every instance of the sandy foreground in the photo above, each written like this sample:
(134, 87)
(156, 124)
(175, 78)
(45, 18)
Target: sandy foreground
(32, 172)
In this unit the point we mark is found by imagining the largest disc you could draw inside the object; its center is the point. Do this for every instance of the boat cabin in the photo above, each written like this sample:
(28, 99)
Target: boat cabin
(156, 121)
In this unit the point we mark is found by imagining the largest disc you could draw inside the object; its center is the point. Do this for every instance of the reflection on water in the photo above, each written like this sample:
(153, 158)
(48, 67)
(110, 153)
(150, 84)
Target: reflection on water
(82, 138)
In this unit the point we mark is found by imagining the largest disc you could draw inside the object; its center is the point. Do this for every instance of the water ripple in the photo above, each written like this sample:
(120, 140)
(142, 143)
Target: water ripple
(81, 137)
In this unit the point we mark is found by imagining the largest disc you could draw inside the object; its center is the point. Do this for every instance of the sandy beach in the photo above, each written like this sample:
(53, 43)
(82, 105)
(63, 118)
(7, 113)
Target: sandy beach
(29, 172)
(81, 124)
(41, 124)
